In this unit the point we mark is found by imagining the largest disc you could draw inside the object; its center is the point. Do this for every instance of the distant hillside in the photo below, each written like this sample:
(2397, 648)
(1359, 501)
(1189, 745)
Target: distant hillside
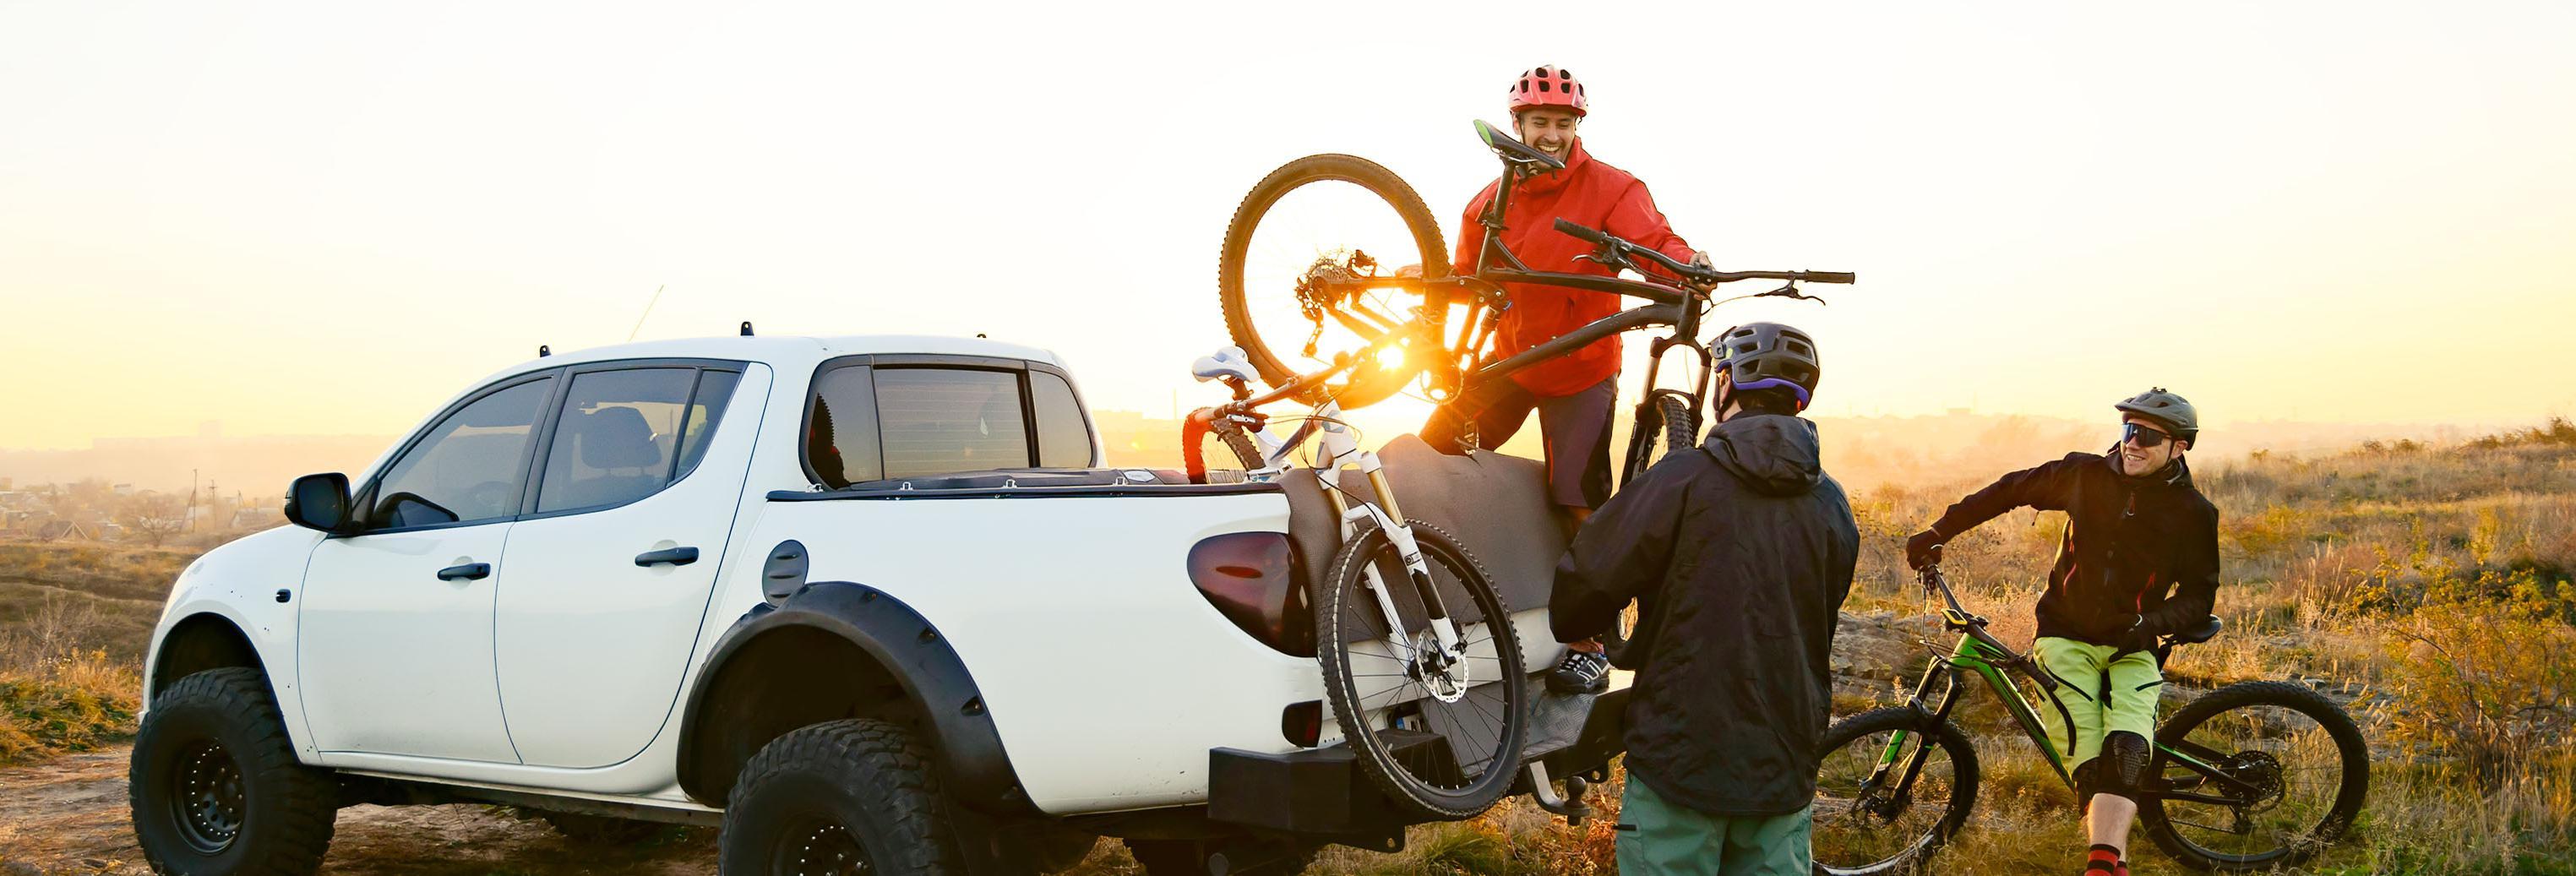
(256, 466)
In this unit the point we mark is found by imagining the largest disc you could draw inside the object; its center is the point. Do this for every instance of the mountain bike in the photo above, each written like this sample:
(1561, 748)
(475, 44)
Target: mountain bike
(1421, 664)
(2252, 776)
(1382, 328)
(1345, 301)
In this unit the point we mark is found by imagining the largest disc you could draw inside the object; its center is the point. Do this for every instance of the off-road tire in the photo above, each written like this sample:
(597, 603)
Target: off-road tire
(2352, 790)
(224, 724)
(1348, 582)
(868, 779)
(1431, 252)
(1963, 772)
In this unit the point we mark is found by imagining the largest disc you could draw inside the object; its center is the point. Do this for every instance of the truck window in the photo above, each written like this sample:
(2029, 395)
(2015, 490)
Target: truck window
(468, 467)
(715, 390)
(942, 420)
(841, 429)
(1064, 437)
(616, 437)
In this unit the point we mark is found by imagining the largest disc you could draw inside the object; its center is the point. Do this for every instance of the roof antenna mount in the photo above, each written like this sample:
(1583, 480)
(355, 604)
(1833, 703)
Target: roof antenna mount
(544, 351)
(746, 328)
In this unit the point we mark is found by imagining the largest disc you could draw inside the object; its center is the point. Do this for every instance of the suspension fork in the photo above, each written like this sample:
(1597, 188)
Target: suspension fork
(1912, 764)
(1339, 449)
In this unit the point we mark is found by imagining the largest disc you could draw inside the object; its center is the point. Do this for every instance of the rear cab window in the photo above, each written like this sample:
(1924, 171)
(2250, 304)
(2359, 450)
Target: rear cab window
(872, 418)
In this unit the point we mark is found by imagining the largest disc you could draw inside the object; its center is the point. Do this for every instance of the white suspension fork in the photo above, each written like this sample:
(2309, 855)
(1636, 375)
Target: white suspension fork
(1338, 450)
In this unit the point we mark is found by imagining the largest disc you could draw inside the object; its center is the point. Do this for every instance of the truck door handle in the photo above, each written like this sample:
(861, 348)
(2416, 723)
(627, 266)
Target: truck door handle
(466, 572)
(678, 556)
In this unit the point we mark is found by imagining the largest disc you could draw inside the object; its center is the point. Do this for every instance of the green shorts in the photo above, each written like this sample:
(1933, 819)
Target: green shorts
(2102, 694)
(1661, 838)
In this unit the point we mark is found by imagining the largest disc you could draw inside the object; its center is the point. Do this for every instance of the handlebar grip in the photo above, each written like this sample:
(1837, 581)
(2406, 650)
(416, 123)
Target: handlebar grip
(1581, 233)
(1829, 276)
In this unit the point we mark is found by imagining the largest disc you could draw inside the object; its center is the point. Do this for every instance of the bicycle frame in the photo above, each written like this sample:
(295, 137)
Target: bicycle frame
(1338, 450)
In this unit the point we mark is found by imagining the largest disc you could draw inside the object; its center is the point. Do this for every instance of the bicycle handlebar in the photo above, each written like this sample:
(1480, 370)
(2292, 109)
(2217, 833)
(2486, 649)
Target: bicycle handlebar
(1694, 272)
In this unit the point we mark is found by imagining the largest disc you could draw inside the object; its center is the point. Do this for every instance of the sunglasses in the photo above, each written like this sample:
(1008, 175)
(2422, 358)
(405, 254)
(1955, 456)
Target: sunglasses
(2145, 438)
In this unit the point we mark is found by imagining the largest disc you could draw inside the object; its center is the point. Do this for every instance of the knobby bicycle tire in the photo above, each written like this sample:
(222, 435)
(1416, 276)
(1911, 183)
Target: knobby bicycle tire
(1371, 384)
(1377, 758)
(2353, 787)
(1963, 772)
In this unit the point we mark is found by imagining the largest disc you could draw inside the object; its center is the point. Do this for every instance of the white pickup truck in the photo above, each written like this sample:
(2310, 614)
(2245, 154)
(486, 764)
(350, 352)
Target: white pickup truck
(871, 603)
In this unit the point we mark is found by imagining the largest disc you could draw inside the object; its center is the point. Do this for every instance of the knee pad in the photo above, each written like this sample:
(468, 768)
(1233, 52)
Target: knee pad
(2124, 763)
(2088, 782)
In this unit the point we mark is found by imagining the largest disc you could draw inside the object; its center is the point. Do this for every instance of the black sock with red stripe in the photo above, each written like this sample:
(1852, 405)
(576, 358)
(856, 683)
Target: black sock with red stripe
(2103, 859)
(2121, 870)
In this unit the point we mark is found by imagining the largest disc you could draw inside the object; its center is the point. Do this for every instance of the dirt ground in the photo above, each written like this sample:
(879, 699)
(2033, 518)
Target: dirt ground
(68, 816)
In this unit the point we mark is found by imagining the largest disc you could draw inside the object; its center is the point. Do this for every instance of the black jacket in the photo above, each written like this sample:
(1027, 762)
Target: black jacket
(2141, 550)
(1740, 557)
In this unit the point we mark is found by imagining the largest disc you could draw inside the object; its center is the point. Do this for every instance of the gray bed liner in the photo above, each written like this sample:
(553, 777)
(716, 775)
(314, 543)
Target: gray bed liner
(1496, 506)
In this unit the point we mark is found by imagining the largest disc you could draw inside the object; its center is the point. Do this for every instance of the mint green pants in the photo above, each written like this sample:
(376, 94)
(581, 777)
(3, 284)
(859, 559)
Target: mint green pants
(1660, 838)
(2107, 694)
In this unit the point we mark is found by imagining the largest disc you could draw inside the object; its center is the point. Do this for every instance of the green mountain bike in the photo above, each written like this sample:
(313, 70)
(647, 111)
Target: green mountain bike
(2251, 776)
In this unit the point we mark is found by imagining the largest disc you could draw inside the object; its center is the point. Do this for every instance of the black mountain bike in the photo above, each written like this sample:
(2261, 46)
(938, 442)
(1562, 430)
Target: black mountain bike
(1296, 277)
(2252, 776)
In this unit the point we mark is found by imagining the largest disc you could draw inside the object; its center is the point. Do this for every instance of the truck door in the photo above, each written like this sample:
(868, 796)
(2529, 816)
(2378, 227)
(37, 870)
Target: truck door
(395, 621)
(612, 569)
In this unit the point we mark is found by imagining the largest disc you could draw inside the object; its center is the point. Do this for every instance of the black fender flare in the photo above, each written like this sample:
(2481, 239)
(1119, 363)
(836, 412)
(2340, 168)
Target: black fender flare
(974, 768)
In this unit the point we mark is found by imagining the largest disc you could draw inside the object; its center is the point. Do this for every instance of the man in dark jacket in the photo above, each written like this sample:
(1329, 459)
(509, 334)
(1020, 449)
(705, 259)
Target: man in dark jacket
(2139, 560)
(1739, 556)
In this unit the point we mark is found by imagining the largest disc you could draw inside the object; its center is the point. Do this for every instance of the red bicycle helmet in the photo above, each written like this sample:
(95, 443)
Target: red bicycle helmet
(1548, 86)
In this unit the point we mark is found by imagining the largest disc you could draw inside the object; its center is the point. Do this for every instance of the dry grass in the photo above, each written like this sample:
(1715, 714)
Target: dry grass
(56, 694)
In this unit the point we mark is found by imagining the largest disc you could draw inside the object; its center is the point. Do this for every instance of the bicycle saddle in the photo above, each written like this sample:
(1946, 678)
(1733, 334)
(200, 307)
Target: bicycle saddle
(1225, 361)
(1514, 151)
(2207, 630)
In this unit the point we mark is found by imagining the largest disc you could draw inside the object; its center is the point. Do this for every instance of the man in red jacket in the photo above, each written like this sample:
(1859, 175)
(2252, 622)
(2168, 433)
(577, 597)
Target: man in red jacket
(1575, 394)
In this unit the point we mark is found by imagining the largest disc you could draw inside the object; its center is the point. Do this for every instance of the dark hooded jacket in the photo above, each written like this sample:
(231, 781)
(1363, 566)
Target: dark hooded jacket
(1739, 556)
(2140, 550)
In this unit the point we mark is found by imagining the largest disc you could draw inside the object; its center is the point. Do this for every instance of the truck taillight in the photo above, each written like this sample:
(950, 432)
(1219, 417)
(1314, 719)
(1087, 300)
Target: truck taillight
(1302, 723)
(1251, 578)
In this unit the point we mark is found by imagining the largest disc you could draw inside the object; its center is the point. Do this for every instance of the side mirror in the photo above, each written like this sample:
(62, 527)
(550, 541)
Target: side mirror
(319, 501)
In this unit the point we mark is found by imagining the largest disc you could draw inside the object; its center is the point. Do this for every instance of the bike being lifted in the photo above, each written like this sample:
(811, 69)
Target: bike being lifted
(1299, 287)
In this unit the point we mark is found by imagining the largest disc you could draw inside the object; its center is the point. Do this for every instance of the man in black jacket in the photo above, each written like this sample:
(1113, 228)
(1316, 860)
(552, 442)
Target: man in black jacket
(1739, 555)
(2139, 560)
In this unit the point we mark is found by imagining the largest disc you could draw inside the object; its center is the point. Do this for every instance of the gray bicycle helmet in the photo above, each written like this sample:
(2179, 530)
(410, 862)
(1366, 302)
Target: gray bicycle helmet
(1765, 355)
(2167, 409)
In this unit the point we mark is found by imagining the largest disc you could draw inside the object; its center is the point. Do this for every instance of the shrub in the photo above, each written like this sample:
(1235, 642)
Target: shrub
(2483, 685)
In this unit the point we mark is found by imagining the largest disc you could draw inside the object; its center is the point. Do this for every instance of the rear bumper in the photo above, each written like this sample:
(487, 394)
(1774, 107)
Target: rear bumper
(1321, 793)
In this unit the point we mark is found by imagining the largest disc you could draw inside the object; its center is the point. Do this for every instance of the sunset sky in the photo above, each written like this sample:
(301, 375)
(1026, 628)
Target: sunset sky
(329, 217)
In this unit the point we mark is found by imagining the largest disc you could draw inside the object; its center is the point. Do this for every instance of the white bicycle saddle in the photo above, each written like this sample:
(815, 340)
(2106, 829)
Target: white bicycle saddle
(1224, 362)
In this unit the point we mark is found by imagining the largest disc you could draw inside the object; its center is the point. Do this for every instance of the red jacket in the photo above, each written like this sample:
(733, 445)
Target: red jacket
(1590, 193)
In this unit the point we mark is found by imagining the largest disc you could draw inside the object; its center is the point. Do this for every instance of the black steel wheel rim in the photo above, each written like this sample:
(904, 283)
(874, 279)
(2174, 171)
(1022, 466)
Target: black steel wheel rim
(207, 798)
(820, 847)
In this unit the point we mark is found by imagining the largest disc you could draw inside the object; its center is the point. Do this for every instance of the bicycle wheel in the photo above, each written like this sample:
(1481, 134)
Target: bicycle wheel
(1671, 425)
(2302, 763)
(1330, 217)
(1866, 828)
(1440, 750)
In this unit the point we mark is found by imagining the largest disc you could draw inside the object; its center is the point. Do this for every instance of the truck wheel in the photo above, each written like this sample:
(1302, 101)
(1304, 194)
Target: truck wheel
(854, 796)
(215, 787)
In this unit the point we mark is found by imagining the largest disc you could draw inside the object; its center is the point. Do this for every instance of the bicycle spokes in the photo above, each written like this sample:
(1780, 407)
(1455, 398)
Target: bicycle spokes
(1881, 798)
